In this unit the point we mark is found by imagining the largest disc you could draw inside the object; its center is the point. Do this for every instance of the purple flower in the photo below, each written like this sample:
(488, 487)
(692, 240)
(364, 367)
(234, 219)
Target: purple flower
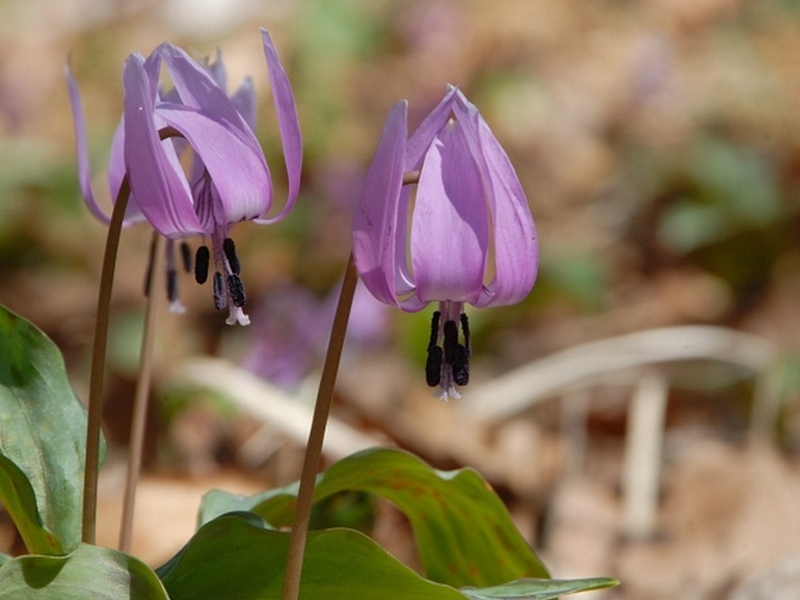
(286, 342)
(227, 179)
(471, 239)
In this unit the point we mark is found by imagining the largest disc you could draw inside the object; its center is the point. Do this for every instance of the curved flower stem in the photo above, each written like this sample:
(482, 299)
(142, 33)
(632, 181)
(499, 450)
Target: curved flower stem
(141, 395)
(95, 408)
(305, 495)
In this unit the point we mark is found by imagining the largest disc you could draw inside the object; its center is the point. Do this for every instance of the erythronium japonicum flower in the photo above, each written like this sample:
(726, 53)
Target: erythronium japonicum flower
(472, 239)
(227, 180)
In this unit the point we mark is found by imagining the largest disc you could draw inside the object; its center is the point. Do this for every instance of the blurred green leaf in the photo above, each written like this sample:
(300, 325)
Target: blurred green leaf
(463, 532)
(42, 432)
(732, 189)
(88, 572)
(579, 277)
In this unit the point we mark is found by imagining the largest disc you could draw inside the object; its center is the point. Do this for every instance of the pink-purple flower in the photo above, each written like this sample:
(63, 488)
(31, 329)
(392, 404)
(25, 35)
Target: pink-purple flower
(227, 179)
(471, 239)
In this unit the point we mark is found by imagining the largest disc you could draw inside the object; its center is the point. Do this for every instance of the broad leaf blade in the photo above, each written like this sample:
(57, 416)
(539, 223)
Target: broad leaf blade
(237, 558)
(538, 589)
(42, 424)
(89, 572)
(18, 498)
(464, 534)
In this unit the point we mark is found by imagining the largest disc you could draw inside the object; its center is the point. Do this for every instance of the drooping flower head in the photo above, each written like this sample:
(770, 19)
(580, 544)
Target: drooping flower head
(471, 241)
(227, 180)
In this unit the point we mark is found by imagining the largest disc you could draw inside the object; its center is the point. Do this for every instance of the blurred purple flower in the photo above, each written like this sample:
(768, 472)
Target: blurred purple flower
(472, 238)
(228, 179)
(287, 344)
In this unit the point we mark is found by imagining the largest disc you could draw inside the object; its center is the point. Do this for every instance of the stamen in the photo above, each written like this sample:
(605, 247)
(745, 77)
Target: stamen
(433, 366)
(219, 291)
(465, 329)
(186, 257)
(201, 260)
(434, 328)
(236, 290)
(230, 253)
(450, 342)
(172, 285)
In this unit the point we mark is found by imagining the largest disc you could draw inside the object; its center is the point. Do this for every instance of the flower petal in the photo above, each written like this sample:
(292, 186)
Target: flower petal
(516, 247)
(288, 124)
(450, 222)
(197, 88)
(420, 141)
(161, 190)
(244, 99)
(116, 173)
(379, 231)
(236, 167)
(82, 149)
(516, 250)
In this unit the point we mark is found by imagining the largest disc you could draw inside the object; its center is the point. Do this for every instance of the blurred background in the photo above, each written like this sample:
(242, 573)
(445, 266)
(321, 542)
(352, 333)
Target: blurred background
(659, 144)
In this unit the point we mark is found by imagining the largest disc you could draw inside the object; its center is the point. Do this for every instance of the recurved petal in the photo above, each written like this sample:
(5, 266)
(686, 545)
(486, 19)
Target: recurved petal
(116, 173)
(82, 149)
(378, 230)
(244, 99)
(288, 124)
(235, 165)
(197, 88)
(161, 190)
(450, 223)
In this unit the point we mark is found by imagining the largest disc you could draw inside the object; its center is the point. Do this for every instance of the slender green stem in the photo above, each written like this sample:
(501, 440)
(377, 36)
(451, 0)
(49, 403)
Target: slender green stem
(305, 495)
(142, 394)
(95, 409)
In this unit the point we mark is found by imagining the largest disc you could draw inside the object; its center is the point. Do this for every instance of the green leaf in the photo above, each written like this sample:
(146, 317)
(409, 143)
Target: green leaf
(42, 429)
(88, 572)
(463, 532)
(538, 589)
(237, 557)
(18, 498)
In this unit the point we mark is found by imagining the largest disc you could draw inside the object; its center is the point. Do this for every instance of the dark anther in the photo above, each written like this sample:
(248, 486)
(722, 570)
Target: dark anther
(434, 328)
(450, 341)
(433, 366)
(230, 253)
(201, 260)
(461, 366)
(465, 329)
(186, 257)
(236, 290)
(172, 285)
(219, 291)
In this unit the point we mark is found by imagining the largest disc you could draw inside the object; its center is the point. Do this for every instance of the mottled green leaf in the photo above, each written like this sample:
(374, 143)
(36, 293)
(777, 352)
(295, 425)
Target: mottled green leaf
(42, 428)
(463, 532)
(237, 557)
(18, 498)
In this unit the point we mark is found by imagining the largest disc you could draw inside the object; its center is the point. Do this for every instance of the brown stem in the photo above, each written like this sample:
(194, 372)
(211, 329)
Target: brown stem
(95, 408)
(141, 396)
(305, 495)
